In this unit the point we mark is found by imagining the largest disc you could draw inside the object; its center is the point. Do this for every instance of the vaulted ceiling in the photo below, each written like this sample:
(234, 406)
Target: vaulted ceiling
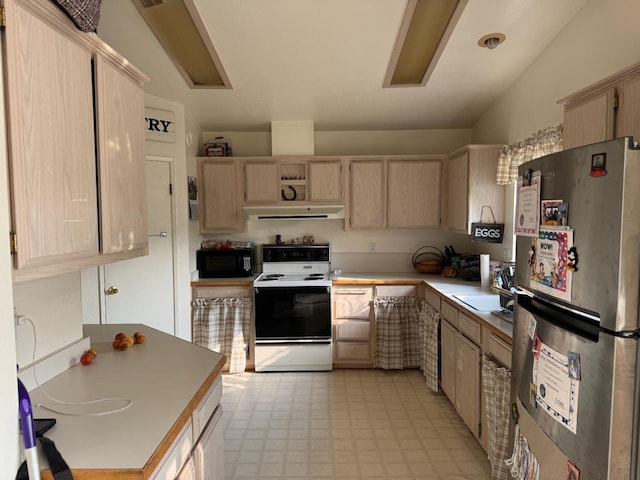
(326, 60)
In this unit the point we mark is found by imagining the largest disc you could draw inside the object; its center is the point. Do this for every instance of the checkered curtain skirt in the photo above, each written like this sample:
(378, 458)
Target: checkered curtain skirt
(541, 143)
(430, 324)
(496, 382)
(398, 335)
(223, 325)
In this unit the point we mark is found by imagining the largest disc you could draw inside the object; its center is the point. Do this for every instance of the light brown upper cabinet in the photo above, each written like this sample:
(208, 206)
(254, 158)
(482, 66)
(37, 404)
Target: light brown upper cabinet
(53, 103)
(605, 110)
(219, 202)
(262, 180)
(414, 193)
(395, 192)
(470, 181)
(367, 192)
(325, 181)
(121, 164)
(293, 180)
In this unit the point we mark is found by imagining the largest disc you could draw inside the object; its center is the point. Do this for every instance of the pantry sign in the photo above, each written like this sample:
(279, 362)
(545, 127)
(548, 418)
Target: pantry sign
(159, 125)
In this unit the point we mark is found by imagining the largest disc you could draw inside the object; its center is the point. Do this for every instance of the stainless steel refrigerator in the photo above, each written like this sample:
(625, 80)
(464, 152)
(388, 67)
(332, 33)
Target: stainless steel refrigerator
(575, 340)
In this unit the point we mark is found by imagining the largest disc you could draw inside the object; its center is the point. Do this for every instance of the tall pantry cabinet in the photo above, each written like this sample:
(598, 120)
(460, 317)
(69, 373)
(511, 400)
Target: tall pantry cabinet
(74, 111)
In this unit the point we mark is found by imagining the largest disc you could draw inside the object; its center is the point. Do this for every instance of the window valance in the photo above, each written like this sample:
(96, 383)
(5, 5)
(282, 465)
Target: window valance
(512, 156)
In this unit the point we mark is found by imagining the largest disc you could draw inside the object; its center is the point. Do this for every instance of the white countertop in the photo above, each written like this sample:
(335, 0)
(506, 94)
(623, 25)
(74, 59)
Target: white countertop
(161, 378)
(447, 287)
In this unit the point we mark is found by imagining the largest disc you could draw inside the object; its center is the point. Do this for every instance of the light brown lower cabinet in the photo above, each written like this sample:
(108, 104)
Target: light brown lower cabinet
(353, 333)
(198, 451)
(467, 383)
(448, 360)
(208, 453)
(461, 354)
(188, 471)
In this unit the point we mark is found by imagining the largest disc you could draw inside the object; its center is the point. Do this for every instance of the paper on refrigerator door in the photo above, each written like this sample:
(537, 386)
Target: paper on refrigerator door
(528, 207)
(556, 392)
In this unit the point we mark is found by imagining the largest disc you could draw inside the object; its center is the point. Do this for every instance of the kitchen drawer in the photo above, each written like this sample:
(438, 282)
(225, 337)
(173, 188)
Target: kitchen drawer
(352, 352)
(353, 293)
(397, 291)
(499, 350)
(469, 328)
(449, 313)
(222, 292)
(206, 407)
(176, 456)
(352, 309)
(352, 302)
(432, 298)
(353, 330)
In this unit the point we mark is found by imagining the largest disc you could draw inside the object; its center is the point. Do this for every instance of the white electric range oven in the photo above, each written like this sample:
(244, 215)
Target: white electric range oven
(293, 309)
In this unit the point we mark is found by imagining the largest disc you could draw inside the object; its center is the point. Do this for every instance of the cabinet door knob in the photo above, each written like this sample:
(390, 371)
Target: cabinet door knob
(111, 291)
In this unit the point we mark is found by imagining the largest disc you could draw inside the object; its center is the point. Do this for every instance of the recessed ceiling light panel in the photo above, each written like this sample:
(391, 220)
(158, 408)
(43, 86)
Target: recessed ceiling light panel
(183, 36)
(424, 31)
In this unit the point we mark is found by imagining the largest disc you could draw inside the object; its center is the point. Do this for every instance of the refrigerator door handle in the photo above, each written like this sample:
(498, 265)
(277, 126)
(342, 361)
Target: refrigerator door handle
(579, 322)
(589, 316)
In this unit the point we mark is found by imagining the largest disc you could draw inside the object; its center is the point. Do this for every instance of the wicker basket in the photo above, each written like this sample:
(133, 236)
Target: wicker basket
(426, 260)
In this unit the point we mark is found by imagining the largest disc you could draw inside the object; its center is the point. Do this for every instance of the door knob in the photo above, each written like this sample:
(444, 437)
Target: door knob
(111, 291)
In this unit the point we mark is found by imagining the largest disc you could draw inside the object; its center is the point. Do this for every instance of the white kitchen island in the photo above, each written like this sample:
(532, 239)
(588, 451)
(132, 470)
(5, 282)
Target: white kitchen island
(172, 429)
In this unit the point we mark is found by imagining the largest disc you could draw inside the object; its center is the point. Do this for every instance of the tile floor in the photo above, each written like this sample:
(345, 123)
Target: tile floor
(345, 424)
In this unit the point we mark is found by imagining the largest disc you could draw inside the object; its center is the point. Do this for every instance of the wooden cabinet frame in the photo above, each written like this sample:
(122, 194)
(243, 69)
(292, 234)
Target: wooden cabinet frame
(293, 181)
(604, 110)
(401, 191)
(78, 196)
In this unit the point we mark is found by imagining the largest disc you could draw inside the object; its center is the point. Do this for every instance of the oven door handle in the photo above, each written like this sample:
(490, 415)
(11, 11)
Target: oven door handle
(257, 290)
(306, 341)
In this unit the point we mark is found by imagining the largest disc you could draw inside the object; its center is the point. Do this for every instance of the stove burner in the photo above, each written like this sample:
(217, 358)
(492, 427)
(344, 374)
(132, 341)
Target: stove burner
(311, 278)
(317, 275)
(268, 279)
(273, 276)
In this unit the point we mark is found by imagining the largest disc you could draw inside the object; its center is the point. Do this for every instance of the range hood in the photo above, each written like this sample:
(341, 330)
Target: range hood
(293, 212)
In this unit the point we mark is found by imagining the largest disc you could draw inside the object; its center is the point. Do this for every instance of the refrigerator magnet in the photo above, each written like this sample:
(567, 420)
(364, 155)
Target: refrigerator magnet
(531, 330)
(533, 393)
(536, 346)
(572, 471)
(573, 360)
(598, 165)
(572, 259)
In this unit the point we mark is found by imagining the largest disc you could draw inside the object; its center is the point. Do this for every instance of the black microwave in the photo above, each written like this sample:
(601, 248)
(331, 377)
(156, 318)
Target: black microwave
(234, 262)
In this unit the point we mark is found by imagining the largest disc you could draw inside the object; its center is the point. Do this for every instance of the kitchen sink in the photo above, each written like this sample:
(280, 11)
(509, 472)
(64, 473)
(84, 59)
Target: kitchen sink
(481, 302)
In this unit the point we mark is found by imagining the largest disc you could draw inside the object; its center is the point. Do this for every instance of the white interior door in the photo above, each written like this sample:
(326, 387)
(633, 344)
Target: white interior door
(141, 290)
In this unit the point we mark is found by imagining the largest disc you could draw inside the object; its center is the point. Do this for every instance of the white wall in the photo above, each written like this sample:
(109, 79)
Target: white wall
(600, 40)
(372, 142)
(54, 305)
(350, 249)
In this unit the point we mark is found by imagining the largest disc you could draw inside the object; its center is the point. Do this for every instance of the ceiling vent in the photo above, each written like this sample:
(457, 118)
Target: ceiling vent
(424, 31)
(179, 29)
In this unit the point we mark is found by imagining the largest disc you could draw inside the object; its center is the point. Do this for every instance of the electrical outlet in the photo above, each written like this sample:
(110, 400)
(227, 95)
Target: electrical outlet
(372, 247)
(19, 319)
